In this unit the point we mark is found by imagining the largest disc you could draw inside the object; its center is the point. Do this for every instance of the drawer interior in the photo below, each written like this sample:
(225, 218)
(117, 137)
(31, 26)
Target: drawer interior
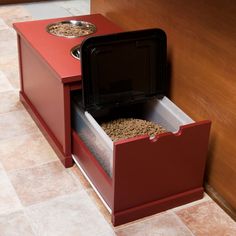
(161, 111)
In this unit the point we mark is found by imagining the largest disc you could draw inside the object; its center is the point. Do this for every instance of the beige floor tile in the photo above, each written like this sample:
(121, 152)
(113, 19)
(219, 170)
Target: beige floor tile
(9, 101)
(80, 177)
(14, 13)
(9, 201)
(25, 151)
(11, 71)
(15, 19)
(15, 224)
(163, 224)
(79, 7)
(8, 35)
(70, 215)
(207, 219)
(3, 25)
(16, 123)
(47, 181)
(4, 83)
(204, 199)
(8, 59)
(100, 206)
(8, 45)
(91, 193)
(8, 52)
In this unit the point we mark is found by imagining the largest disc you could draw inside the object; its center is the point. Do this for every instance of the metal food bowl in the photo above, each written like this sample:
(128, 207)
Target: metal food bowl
(75, 52)
(71, 29)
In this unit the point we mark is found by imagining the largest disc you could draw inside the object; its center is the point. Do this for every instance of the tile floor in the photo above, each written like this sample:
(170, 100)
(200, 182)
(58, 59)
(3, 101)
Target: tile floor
(38, 196)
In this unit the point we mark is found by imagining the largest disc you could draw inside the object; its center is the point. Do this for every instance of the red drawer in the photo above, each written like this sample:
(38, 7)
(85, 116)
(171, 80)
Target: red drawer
(149, 175)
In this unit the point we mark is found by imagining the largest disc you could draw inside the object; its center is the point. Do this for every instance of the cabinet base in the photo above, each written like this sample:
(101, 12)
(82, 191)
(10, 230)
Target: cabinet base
(155, 207)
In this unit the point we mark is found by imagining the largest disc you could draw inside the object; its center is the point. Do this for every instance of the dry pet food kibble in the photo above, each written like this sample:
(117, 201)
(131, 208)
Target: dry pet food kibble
(69, 30)
(130, 127)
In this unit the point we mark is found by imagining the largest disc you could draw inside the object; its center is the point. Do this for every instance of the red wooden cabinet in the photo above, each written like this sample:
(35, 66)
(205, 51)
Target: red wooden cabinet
(148, 176)
(49, 73)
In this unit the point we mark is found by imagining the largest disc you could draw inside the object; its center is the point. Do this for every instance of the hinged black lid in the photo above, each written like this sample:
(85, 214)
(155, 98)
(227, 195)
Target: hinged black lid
(123, 68)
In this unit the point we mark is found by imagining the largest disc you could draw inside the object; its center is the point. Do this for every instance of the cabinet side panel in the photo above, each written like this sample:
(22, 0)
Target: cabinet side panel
(44, 91)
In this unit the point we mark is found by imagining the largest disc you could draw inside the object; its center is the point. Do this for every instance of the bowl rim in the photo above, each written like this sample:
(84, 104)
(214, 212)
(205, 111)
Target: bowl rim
(73, 49)
(73, 22)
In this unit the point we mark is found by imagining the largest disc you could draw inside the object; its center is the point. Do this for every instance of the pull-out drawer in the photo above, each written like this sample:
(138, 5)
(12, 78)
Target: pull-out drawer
(140, 176)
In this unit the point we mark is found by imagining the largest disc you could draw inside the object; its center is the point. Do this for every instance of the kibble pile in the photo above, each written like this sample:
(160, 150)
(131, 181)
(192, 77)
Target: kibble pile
(69, 30)
(129, 127)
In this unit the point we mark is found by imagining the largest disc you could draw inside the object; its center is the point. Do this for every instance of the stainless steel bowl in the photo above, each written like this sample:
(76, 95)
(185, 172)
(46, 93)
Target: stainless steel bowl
(71, 29)
(75, 52)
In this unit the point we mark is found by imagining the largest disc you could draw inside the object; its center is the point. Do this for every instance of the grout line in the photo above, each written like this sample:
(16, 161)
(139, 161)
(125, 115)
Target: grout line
(141, 220)
(91, 190)
(15, 193)
(43, 202)
(6, 213)
(19, 110)
(49, 201)
(206, 198)
(10, 90)
(31, 223)
(182, 223)
(76, 179)
(24, 207)
(67, 10)
(34, 131)
(32, 167)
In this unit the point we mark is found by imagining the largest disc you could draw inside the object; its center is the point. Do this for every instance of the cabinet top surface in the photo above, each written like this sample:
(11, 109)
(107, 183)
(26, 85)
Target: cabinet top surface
(56, 51)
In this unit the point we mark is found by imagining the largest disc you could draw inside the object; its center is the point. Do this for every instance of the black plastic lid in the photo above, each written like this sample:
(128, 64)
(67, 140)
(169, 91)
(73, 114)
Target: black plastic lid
(123, 68)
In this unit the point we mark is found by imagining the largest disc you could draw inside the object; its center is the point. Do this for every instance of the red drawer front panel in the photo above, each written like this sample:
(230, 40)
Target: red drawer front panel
(146, 171)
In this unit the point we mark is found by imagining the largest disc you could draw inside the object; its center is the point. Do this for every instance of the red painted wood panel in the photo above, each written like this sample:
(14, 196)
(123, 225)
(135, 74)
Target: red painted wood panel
(44, 91)
(66, 160)
(48, 74)
(54, 50)
(147, 170)
(154, 207)
(92, 168)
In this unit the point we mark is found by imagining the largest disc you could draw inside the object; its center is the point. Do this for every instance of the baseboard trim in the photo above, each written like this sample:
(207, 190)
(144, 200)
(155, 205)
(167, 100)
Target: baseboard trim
(220, 201)
(157, 206)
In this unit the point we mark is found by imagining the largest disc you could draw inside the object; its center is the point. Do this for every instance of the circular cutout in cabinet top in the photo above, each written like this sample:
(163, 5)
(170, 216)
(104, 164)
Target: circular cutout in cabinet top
(75, 52)
(71, 29)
